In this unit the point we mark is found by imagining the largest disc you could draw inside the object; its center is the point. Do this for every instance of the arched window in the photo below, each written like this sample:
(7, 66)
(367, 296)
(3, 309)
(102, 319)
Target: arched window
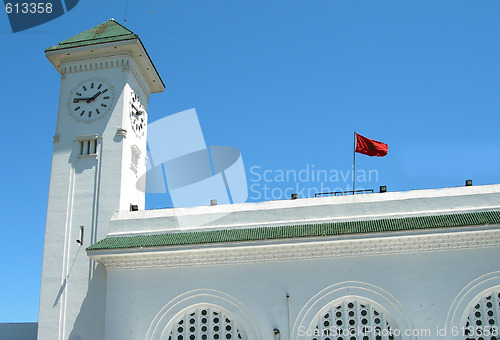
(353, 319)
(206, 323)
(484, 318)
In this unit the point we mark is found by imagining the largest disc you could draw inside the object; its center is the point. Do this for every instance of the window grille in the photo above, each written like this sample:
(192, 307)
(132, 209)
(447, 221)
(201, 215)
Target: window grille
(484, 318)
(206, 324)
(354, 320)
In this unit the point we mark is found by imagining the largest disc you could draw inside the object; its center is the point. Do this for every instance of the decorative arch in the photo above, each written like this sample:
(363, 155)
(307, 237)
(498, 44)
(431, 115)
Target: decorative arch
(348, 305)
(203, 313)
(475, 308)
(205, 322)
(354, 317)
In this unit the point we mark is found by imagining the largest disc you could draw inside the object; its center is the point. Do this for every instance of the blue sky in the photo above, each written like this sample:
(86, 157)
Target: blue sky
(285, 82)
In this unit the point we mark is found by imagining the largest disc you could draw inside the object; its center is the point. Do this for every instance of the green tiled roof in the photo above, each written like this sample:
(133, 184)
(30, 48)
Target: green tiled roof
(300, 231)
(109, 31)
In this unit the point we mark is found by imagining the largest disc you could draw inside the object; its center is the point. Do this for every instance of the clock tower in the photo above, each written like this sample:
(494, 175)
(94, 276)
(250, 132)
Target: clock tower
(99, 153)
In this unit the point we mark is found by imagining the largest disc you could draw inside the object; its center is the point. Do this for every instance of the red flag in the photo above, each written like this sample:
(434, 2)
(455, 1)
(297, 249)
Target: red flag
(370, 147)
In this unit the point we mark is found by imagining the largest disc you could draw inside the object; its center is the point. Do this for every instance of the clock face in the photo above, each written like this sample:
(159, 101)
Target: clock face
(91, 100)
(137, 115)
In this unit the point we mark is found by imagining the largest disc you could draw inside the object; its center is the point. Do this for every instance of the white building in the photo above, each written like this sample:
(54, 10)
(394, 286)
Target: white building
(402, 265)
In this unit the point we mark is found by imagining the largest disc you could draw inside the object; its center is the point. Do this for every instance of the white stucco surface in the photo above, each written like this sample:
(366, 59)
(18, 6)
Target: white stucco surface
(417, 277)
(424, 284)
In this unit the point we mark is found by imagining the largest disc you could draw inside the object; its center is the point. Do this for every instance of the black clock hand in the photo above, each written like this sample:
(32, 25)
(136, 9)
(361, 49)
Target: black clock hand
(76, 100)
(94, 97)
(138, 111)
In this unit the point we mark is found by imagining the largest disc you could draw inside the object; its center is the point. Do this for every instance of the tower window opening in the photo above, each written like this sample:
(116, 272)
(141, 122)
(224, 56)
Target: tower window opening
(93, 146)
(87, 145)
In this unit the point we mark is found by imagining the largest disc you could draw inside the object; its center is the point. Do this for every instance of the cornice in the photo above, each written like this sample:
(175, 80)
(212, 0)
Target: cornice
(245, 253)
(121, 132)
(125, 62)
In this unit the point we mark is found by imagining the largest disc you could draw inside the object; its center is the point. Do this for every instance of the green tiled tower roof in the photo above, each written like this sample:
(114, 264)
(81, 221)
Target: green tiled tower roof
(301, 231)
(109, 31)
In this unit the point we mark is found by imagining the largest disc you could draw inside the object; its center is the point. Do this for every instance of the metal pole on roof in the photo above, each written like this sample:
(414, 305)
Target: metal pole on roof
(354, 166)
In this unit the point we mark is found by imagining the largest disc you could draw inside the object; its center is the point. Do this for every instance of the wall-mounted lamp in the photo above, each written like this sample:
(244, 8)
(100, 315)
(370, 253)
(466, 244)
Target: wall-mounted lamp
(383, 188)
(213, 202)
(134, 207)
(80, 240)
(468, 183)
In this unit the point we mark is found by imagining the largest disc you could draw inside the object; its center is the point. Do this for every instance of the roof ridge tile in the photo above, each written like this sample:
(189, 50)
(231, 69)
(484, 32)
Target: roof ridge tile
(300, 231)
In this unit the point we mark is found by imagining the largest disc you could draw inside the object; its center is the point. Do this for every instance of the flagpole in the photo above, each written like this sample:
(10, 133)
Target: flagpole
(354, 166)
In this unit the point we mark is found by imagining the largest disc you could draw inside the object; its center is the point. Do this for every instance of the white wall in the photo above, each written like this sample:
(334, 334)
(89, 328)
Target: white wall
(419, 277)
(424, 283)
(18, 331)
